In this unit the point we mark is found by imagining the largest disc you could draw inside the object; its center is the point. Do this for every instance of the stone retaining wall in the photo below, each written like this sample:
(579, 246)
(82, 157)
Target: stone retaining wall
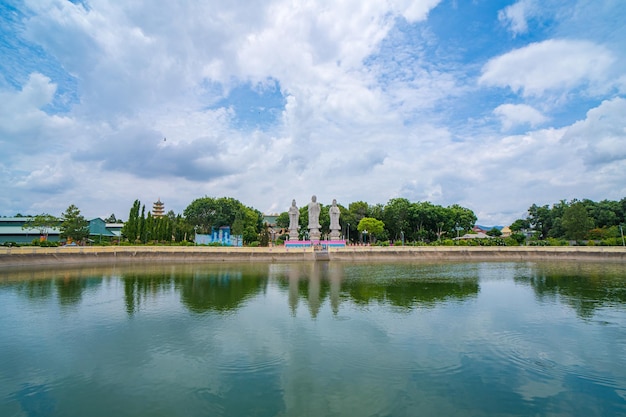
(23, 256)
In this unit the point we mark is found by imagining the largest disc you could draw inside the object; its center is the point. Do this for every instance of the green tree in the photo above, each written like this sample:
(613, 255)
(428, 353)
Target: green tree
(74, 226)
(141, 227)
(43, 223)
(423, 221)
(373, 227)
(181, 230)
(576, 221)
(282, 220)
(130, 230)
(605, 213)
(494, 232)
(540, 220)
(112, 219)
(207, 212)
(462, 217)
(356, 211)
(519, 225)
(264, 237)
(396, 217)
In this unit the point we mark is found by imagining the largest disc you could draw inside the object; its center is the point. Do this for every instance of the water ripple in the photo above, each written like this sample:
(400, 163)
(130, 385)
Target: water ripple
(258, 366)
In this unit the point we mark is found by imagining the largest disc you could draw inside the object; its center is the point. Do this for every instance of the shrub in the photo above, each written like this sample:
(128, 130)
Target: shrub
(611, 241)
(518, 237)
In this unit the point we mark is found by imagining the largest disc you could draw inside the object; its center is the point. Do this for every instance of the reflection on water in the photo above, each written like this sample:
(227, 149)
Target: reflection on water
(482, 339)
(225, 288)
(583, 287)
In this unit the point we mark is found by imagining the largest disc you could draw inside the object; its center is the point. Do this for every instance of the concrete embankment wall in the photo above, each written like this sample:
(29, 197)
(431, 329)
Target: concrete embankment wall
(483, 253)
(147, 254)
(24, 256)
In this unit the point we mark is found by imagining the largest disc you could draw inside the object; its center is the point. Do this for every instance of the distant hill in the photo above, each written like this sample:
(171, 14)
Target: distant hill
(490, 227)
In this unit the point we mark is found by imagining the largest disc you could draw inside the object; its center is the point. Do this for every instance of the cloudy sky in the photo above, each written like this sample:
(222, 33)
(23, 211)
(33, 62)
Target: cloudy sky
(494, 105)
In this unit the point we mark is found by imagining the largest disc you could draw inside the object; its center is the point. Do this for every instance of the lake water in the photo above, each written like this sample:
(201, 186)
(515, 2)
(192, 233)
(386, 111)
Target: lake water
(318, 339)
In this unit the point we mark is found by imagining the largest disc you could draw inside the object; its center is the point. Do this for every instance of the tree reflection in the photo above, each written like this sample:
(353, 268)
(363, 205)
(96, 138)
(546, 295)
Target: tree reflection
(220, 291)
(35, 290)
(139, 287)
(584, 287)
(410, 293)
(70, 289)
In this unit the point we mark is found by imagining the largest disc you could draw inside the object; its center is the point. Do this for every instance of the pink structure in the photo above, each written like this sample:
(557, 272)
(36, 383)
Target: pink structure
(308, 243)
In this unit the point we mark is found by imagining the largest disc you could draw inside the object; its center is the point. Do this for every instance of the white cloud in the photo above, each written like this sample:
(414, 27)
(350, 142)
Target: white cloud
(555, 64)
(518, 114)
(600, 139)
(416, 10)
(375, 107)
(24, 126)
(516, 15)
(51, 178)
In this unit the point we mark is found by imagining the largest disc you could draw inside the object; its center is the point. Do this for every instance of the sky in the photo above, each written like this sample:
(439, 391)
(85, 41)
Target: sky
(493, 105)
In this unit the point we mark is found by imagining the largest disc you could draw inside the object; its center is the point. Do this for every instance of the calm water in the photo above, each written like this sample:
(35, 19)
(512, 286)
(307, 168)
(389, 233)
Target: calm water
(326, 339)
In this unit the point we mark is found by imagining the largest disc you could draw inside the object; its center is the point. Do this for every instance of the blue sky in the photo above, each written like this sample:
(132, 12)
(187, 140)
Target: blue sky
(494, 105)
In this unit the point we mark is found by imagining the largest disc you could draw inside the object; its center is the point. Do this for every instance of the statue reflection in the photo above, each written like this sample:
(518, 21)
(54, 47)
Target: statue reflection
(406, 287)
(314, 282)
(294, 282)
(335, 275)
(314, 289)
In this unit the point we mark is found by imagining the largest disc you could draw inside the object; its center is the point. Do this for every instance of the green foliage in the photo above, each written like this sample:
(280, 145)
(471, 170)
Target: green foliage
(282, 221)
(519, 225)
(73, 225)
(494, 232)
(519, 238)
(130, 230)
(264, 236)
(112, 219)
(207, 212)
(569, 220)
(576, 222)
(371, 227)
(43, 223)
(396, 216)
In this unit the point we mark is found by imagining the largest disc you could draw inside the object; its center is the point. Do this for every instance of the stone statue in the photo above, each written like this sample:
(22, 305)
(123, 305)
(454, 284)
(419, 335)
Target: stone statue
(294, 216)
(314, 219)
(335, 228)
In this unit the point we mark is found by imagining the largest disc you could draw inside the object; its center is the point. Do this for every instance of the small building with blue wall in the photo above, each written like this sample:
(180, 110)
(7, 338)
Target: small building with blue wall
(220, 236)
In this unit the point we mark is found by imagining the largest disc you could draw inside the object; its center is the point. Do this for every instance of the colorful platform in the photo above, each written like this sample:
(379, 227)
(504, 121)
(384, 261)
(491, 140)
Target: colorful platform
(324, 244)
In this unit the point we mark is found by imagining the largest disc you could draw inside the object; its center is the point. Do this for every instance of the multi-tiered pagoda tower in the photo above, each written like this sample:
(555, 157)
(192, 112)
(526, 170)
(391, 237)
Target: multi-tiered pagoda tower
(158, 209)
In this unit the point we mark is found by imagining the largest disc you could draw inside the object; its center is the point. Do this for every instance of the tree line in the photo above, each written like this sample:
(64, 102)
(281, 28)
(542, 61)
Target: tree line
(201, 216)
(397, 220)
(576, 220)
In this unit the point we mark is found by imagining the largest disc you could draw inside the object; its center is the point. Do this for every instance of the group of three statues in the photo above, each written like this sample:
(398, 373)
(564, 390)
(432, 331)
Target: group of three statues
(314, 220)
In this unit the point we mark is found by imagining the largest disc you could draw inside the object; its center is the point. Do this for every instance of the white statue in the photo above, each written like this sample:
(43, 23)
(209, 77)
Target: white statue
(314, 214)
(294, 217)
(335, 227)
(314, 220)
